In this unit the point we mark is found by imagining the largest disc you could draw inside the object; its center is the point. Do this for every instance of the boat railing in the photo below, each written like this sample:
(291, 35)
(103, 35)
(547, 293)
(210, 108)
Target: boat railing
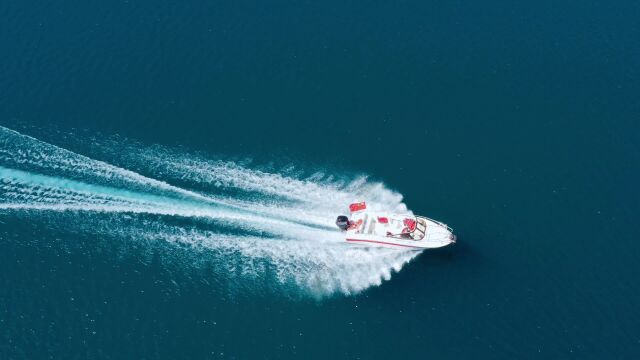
(438, 222)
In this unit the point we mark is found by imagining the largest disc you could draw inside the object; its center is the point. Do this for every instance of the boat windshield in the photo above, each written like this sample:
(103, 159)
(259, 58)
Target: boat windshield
(421, 229)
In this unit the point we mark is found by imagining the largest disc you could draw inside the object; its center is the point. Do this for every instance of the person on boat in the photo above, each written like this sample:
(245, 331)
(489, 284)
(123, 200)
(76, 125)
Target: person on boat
(407, 230)
(402, 235)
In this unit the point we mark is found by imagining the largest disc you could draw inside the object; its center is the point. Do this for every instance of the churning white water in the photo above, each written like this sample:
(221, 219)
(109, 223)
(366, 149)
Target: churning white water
(252, 216)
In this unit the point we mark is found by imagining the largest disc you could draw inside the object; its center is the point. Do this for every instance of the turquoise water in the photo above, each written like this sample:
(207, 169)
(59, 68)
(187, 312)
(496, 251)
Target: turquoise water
(170, 173)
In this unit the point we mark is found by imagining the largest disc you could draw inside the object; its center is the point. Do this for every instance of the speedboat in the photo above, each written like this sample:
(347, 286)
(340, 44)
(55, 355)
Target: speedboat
(398, 231)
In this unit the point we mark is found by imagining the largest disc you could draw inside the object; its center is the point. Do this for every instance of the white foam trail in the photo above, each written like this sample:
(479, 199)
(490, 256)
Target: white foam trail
(317, 189)
(320, 268)
(323, 268)
(317, 198)
(294, 213)
(18, 150)
(27, 191)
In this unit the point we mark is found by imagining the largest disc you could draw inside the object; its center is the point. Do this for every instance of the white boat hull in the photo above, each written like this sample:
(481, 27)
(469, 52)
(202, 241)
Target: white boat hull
(388, 231)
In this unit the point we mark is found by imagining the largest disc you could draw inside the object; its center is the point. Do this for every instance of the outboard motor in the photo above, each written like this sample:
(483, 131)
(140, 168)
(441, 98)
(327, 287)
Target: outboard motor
(343, 222)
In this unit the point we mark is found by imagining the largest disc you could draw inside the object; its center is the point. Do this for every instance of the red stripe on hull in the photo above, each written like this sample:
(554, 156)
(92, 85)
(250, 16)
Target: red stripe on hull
(385, 243)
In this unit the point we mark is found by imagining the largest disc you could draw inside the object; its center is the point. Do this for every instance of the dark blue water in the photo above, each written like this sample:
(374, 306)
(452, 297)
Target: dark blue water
(128, 127)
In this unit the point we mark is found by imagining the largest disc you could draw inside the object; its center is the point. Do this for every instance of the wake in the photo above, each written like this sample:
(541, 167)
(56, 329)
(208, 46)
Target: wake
(239, 215)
